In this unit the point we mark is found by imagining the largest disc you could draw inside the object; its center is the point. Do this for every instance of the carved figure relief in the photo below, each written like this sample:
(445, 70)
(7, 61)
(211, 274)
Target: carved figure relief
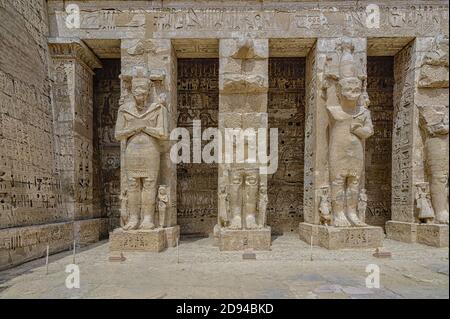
(247, 199)
(325, 209)
(423, 203)
(163, 201)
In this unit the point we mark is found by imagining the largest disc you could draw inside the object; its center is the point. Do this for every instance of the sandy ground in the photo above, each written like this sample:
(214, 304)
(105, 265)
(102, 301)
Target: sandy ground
(200, 270)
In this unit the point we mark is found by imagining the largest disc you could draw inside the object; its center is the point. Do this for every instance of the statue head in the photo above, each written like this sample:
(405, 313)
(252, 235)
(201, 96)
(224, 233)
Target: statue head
(236, 177)
(263, 189)
(162, 99)
(140, 86)
(349, 89)
(349, 85)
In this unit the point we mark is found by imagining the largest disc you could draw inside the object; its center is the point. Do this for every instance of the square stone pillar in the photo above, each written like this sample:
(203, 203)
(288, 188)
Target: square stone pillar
(72, 72)
(242, 186)
(420, 143)
(156, 57)
(326, 64)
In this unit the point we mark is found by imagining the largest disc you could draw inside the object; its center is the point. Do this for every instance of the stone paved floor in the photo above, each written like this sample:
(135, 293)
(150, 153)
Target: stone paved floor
(414, 271)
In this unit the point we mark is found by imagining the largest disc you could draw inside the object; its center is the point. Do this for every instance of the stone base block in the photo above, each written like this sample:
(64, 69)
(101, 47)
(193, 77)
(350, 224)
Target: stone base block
(22, 244)
(401, 231)
(428, 234)
(172, 235)
(242, 239)
(342, 237)
(137, 240)
(90, 231)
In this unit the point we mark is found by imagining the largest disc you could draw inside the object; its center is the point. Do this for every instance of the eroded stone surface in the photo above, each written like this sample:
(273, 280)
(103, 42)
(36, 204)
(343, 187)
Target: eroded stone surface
(331, 237)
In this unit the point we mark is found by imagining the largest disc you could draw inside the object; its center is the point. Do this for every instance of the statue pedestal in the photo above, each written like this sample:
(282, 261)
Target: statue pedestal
(428, 234)
(242, 239)
(331, 237)
(154, 240)
(172, 234)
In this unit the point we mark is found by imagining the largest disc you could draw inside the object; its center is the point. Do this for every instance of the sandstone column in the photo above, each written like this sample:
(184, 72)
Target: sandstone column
(420, 143)
(242, 198)
(72, 72)
(337, 124)
(154, 62)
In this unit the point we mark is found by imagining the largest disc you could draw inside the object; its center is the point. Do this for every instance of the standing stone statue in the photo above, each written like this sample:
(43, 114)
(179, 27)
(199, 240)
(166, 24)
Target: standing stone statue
(350, 125)
(324, 209)
(433, 79)
(223, 205)
(436, 126)
(163, 201)
(423, 204)
(142, 127)
(244, 198)
(262, 205)
(362, 204)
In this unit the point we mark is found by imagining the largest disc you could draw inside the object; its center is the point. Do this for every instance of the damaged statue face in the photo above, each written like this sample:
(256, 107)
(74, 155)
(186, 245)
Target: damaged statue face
(350, 88)
(139, 89)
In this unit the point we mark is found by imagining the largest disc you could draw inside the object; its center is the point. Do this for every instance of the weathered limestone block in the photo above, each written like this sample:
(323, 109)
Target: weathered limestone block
(90, 230)
(401, 231)
(172, 235)
(238, 239)
(435, 235)
(21, 244)
(137, 240)
(331, 237)
(434, 65)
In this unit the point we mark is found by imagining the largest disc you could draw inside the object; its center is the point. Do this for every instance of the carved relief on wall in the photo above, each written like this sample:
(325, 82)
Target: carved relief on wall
(106, 106)
(198, 99)
(380, 85)
(286, 100)
(402, 136)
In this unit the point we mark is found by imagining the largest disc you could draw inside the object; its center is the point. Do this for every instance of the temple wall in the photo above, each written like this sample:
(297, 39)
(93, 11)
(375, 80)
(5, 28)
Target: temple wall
(106, 105)
(286, 111)
(380, 86)
(198, 99)
(30, 192)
